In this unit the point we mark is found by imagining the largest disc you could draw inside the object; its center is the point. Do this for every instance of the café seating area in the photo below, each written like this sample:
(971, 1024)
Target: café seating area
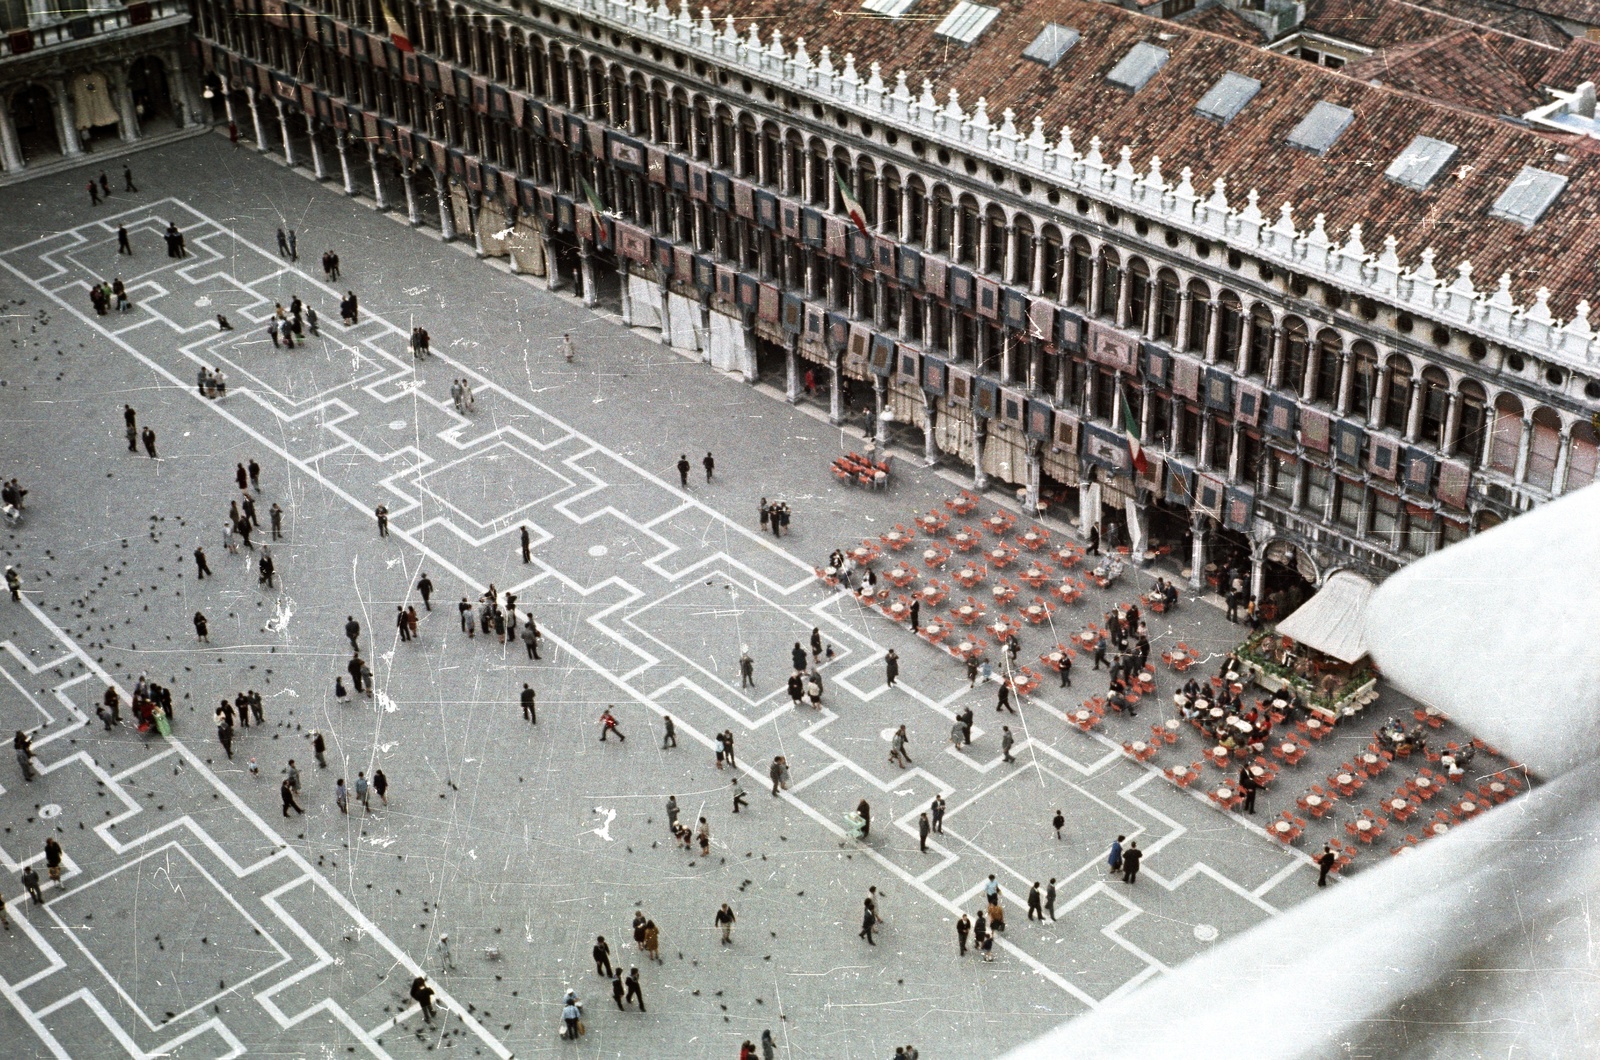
(1319, 779)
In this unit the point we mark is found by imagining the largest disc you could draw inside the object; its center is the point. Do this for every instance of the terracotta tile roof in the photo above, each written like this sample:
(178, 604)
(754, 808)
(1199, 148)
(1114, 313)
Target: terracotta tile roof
(1223, 21)
(1473, 68)
(1584, 11)
(1377, 23)
(1530, 26)
(1346, 184)
(1578, 62)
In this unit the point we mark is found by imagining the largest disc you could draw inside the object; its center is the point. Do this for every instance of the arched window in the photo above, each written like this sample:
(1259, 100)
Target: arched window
(1054, 262)
(1230, 326)
(1296, 351)
(1583, 456)
(1023, 241)
(994, 241)
(916, 207)
(1167, 305)
(747, 147)
(1078, 272)
(1326, 383)
(1259, 356)
(1138, 293)
(1544, 447)
(1363, 377)
(1199, 315)
(944, 220)
(722, 141)
(1435, 404)
(1398, 405)
(1473, 421)
(1110, 280)
(866, 189)
(1507, 434)
(967, 248)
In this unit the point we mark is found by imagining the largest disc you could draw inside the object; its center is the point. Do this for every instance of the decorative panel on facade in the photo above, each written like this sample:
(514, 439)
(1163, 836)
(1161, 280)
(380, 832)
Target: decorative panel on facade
(1114, 348)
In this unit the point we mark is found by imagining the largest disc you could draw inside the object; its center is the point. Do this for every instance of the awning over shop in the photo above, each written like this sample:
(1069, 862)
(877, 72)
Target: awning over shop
(1333, 621)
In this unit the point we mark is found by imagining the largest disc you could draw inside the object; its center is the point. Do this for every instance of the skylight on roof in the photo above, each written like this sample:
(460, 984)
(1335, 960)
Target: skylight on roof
(965, 21)
(1528, 197)
(1052, 43)
(1320, 129)
(1136, 68)
(888, 8)
(1421, 163)
(1228, 97)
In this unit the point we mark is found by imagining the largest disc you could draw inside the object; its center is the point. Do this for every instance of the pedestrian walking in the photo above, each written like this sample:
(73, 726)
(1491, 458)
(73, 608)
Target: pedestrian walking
(683, 470)
(380, 786)
(1050, 899)
(402, 623)
(923, 828)
(362, 795)
(283, 243)
(916, 614)
(24, 749)
(1114, 856)
(1035, 902)
(1007, 741)
(963, 926)
(747, 670)
(936, 812)
(897, 748)
(447, 959)
(531, 637)
(127, 179)
(319, 747)
(1056, 822)
(286, 793)
(608, 725)
(601, 952)
(52, 860)
(382, 513)
(738, 795)
(669, 737)
(725, 921)
(864, 812)
(294, 247)
(635, 992)
(341, 796)
(616, 989)
(352, 632)
(530, 707)
(200, 627)
(30, 880)
(1003, 700)
(422, 994)
(94, 194)
(702, 835)
(123, 245)
(869, 920)
(148, 437)
(1249, 785)
(571, 1017)
(527, 546)
(1130, 862)
(1325, 863)
(709, 464)
(891, 667)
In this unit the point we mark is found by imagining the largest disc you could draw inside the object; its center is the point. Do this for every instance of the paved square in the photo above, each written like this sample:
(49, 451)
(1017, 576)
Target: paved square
(518, 842)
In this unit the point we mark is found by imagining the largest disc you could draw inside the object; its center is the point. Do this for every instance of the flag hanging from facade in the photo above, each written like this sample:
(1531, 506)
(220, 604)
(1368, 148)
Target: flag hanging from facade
(394, 27)
(851, 207)
(1130, 429)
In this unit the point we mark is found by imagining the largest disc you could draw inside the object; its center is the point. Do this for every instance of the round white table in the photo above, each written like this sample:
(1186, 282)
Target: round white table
(1171, 724)
(930, 555)
(1439, 828)
(1138, 745)
(1469, 807)
(1180, 771)
(1224, 794)
(1055, 657)
(1497, 787)
(964, 646)
(1216, 712)
(1282, 827)
(1313, 800)
(1179, 657)
(1083, 715)
(1398, 804)
(1035, 609)
(1364, 825)
(1344, 780)
(1424, 783)
(1289, 748)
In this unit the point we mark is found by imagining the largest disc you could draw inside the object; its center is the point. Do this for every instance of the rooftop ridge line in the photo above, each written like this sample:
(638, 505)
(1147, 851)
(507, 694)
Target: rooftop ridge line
(1494, 316)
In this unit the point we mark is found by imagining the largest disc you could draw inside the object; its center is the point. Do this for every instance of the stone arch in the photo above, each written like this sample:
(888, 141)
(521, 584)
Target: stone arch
(1506, 433)
(1263, 328)
(33, 111)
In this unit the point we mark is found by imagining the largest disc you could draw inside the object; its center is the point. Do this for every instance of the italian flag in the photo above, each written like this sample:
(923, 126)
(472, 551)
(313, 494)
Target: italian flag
(595, 204)
(851, 207)
(395, 28)
(1130, 428)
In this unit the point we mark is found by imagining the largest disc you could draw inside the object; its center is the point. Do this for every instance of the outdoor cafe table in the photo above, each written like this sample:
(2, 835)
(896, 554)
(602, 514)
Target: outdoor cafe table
(1032, 537)
(1138, 745)
(1439, 828)
(1171, 724)
(1289, 748)
(1424, 783)
(961, 537)
(1179, 657)
(897, 609)
(1282, 827)
(1217, 712)
(860, 554)
(1313, 725)
(1497, 787)
(1364, 825)
(1344, 780)
(1082, 716)
(1469, 807)
(1398, 804)
(966, 610)
(1035, 610)
(895, 537)
(996, 523)
(1313, 800)
(1370, 759)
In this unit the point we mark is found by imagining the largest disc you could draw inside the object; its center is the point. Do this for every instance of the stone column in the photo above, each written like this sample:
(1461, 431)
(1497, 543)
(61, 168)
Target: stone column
(666, 313)
(1180, 341)
(1009, 267)
(127, 117)
(1307, 383)
(791, 371)
(1275, 366)
(342, 142)
(475, 221)
(930, 413)
(412, 215)
(1200, 527)
(377, 185)
(586, 262)
(10, 147)
(880, 401)
(1213, 330)
(317, 166)
(1152, 309)
(1124, 296)
(1452, 424)
(447, 224)
(1097, 271)
(1558, 485)
(1206, 428)
(835, 390)
(70, 146)
(980, 435)
(1258, 571)
(1036, 284)
(1524, 442)
(1347, 372)
(1235, 433)
(1241, 356)
(1380, 400)
(1414, 410)
(255, 118)
(283, 130)
(1031, 474)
